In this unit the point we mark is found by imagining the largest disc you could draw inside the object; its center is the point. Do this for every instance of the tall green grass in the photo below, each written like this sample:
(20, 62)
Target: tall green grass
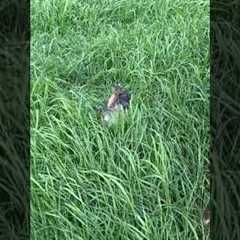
(144, 179)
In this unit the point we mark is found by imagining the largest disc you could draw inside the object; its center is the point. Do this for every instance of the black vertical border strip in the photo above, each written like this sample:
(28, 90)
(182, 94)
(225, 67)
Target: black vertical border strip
(15, 119)
(225, 119)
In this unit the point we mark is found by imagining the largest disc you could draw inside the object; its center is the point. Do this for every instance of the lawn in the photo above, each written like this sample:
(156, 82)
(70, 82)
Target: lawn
(146, 178)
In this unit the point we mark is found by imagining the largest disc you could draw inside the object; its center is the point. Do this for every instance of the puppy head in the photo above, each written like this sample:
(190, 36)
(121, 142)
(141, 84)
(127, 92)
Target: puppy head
(117, 89)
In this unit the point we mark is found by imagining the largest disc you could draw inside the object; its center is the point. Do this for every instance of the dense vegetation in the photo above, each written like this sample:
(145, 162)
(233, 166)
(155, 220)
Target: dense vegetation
(146, 178)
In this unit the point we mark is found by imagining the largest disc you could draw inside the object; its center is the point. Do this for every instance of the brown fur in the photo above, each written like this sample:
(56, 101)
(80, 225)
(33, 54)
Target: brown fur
(119, 96)
(112, 100)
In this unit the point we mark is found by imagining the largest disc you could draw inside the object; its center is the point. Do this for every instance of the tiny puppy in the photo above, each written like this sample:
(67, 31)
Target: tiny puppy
(117, 103)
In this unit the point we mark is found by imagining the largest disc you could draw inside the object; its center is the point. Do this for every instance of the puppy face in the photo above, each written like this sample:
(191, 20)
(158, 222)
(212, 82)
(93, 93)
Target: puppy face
(119, 96)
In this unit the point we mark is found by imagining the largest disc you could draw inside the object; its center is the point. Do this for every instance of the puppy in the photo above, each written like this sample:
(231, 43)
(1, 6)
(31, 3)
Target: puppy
(119, 97)
(117, 103)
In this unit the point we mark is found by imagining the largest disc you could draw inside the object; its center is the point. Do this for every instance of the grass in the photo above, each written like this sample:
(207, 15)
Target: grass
(146, 178)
